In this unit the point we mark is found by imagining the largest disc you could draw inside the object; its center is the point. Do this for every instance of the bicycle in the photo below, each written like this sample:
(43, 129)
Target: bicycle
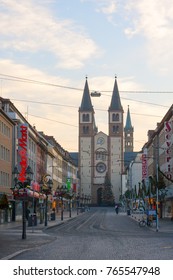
(144, 223)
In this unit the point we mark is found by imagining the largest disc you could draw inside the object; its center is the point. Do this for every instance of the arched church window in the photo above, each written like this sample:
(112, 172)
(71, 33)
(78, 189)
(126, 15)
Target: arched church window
(85, 117)
(115, 128)
(101, 156)
(115, 117)
(85, 129)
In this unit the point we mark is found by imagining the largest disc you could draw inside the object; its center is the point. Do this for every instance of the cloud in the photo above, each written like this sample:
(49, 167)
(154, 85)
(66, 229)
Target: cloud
(107, 7)
(27, 26)
(148, 20)
(46, 102)
(152, 20)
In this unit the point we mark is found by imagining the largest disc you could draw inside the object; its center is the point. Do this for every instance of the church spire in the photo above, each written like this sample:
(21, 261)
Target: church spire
(128, 125)
(128, 133)
(86, 104)
(115, 101)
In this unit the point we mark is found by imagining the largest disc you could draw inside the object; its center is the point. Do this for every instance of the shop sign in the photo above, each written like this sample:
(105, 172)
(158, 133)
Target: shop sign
(22, 150)
(144, 165)
(168, 134)
(68, 184)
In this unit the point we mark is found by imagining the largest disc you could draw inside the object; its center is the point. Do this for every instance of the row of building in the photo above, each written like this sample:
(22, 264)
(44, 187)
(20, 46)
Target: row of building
(149, 176)
(43, 155)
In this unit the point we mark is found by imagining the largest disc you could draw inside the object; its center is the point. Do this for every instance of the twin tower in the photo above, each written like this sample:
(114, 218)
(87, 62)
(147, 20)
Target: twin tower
(102, 155)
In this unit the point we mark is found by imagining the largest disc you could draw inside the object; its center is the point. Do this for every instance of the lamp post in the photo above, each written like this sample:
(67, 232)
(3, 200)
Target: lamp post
(46, 188)
(77, 203)
(61, 191)
(70, 196)
(19, 191)
(157, 198)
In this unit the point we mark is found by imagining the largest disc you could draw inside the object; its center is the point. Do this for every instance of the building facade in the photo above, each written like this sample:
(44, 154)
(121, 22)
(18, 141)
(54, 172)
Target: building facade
(43, 154)
(6, 151)
(100, 155)
(159, 155)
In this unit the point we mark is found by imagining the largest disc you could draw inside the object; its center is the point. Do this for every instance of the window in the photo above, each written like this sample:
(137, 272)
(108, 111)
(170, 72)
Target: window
(101, 167)
(4, 129)
(101, 156)
(115, 129)
(4, 179)
(85, 117)
(115, 117)
(4, 153)
(85, 130)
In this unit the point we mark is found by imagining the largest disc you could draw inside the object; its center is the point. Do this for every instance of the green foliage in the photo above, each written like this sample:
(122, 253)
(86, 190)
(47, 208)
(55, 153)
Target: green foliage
(107, 194)
(160, 184)
(128, 194)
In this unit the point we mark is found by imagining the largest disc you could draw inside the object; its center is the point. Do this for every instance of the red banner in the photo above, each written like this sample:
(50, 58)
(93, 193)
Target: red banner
(144, 166)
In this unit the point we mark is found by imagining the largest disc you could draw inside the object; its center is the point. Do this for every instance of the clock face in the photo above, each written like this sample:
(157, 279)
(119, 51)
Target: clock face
(101, 167)
(100, 141)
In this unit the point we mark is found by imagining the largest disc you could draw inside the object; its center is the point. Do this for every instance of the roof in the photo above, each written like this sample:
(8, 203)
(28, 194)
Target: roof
(128, 125)
(74, 157)
(128, 157)
(115, 101)
(86, 104)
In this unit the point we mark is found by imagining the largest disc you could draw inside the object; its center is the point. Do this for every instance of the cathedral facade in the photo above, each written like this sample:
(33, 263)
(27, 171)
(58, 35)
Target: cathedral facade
(100, 156)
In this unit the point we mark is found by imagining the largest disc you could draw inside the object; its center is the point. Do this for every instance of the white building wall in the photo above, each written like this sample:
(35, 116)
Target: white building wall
(85, 165)
(135, 172)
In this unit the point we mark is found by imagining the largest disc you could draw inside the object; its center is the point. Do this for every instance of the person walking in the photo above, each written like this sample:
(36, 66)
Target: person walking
(116, 208)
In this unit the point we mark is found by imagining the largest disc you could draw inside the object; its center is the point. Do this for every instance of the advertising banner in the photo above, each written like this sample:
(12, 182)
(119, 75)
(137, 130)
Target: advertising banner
(22, 151)
(144, 165)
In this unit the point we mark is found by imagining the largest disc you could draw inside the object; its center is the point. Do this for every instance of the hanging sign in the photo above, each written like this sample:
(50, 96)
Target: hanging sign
(144, 165)
(168, 134)
(68, 183)
(22, 150)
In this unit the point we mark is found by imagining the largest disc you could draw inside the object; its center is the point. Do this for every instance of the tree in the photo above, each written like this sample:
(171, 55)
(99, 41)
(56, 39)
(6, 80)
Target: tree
(107, 194)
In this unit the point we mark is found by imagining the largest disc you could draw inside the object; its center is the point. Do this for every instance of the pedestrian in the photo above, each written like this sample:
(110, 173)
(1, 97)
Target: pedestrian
(27, 214)
(116, 208)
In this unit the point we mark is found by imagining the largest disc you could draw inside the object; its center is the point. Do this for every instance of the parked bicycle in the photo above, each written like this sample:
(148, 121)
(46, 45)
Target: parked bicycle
(146, 222)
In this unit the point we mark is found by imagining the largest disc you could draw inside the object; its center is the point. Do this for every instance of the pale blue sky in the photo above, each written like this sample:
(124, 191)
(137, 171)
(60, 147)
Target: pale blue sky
(62, 41)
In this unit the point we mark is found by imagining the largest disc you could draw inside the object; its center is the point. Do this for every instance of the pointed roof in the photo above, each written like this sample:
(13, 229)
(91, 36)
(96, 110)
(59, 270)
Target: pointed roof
(115, 101)
(86, 104)
(128, 125)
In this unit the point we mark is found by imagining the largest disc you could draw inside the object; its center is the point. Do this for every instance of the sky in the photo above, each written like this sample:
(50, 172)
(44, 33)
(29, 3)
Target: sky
(48, 47)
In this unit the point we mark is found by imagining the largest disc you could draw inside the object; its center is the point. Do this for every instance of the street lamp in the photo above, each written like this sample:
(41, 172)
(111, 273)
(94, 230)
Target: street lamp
(19, 191)
(70, 196)
(61, 191)
(157, 198)
(46, 188)
(77, 203)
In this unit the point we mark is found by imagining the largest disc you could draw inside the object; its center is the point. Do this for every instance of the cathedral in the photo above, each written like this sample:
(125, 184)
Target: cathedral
(102, 156)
